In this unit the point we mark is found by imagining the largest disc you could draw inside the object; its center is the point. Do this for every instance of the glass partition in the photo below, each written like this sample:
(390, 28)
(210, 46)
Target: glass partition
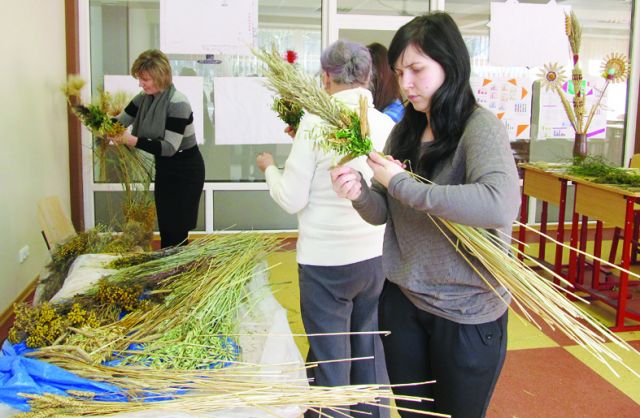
(121, 30)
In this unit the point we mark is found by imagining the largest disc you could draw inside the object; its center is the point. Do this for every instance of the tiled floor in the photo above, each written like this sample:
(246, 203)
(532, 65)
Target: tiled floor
(545, 375)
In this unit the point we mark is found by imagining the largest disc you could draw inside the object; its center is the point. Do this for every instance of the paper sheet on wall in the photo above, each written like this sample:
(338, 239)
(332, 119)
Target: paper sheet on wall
(527, 34)
(509, 99)
(553, 121)
(243, 113)
(208, 26)
(192, 87)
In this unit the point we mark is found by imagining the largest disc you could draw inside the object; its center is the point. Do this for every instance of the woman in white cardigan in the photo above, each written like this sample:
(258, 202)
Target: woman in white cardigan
(338, 254)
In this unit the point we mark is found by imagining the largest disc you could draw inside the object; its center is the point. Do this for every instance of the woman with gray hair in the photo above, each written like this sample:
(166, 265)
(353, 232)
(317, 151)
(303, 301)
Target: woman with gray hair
(338, 254)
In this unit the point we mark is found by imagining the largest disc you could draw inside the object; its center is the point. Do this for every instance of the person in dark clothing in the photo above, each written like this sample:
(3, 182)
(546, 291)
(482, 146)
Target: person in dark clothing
(447, 314)
(162, 125)
(384, 84)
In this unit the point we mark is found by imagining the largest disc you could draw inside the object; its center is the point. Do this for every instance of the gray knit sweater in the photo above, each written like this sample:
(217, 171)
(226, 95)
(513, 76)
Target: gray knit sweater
(477, 186)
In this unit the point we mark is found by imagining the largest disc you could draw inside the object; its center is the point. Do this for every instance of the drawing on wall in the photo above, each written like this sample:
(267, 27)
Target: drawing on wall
(509, 99)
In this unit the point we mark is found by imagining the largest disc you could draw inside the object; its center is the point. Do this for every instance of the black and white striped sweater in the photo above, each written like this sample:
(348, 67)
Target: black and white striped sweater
(179, 131)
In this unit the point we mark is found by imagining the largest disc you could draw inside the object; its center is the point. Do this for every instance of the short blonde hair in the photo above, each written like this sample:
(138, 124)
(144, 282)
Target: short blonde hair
(155, 63)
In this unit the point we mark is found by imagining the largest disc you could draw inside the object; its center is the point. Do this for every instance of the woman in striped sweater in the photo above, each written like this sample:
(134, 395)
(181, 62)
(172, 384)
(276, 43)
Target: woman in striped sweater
(162, 125)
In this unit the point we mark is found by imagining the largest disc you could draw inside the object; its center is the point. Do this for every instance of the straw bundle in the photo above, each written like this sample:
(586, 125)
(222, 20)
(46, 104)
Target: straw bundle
(202, 287)
(534, 294)
(227, 395)
(132, 169)
(346, 131)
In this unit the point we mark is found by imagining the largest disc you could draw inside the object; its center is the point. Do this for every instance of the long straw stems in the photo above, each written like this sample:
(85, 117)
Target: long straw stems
(262, 395)
(202, 299)
(533, 293)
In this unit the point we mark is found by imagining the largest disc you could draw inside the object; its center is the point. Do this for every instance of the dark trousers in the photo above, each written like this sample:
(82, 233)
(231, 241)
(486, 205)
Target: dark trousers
(343, 299)
(464, 360)
(178, 187)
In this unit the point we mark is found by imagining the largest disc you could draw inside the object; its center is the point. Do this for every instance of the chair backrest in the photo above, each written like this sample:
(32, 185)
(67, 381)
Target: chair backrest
(56, 225)
(634, 162)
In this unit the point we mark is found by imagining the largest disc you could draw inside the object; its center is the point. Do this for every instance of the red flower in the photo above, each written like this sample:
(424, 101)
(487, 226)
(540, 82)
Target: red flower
(291, 56)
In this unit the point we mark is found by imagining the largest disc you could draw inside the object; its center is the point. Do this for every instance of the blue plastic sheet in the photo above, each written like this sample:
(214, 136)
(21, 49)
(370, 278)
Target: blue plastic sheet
(19, 374)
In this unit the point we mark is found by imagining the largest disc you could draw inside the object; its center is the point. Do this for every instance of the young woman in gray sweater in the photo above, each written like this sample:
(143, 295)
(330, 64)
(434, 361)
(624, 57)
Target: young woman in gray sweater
(446, 323)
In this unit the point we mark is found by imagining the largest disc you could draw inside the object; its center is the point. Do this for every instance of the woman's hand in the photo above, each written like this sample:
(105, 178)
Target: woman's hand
(346, 182)
(264, 160)
(289, 130)
(384, 168)
(126, 138)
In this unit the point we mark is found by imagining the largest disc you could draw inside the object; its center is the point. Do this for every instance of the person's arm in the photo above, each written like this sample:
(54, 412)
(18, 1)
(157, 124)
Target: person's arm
(128, 115)
(490, 197)
(372, 203)
(179, 125)
(290, 187)
(126, 118)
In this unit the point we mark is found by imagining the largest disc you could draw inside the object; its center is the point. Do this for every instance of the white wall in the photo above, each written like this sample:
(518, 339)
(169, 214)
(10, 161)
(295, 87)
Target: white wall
(34, 160)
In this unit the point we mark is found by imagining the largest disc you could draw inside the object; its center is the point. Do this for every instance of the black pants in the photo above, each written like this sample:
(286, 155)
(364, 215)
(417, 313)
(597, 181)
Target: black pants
(178, 187)
(464, 360)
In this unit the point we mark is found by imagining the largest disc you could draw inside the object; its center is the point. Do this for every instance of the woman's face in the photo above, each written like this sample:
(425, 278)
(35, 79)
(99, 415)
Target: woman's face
(419, 77)
(147, 83)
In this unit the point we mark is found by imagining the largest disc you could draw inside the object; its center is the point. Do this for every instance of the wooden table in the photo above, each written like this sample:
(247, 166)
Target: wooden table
(615, 207)
(548, 186)
(604, 204)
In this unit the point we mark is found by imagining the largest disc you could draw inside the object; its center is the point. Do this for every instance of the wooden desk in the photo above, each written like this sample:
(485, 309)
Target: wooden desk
(614, 206)
(548, 186)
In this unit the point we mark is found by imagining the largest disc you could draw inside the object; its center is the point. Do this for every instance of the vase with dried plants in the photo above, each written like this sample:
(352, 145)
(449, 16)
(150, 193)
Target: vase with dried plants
(615, 68)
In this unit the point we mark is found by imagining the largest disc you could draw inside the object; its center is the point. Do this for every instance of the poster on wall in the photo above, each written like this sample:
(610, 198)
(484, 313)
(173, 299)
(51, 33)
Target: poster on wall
(192, 87)
(243, 113)
(208, 26)
(527, 34)
(509, 99)
(553, 121)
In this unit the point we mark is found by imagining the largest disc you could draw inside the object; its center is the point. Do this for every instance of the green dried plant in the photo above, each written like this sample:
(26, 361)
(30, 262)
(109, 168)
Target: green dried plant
(343, 131)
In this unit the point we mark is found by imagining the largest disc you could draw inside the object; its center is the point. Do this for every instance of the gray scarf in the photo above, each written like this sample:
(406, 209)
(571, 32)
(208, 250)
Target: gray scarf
(152, 115)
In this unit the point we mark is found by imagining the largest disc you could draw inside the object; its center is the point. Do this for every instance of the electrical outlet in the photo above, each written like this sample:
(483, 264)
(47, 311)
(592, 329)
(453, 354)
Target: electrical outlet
(23, 254)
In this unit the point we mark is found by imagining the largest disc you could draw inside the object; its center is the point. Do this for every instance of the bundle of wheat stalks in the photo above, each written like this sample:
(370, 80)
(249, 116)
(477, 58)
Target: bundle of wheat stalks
(183, 339)
(200, 286)
(346, 132)
(132, 168)
(225, 395)
(532, 292)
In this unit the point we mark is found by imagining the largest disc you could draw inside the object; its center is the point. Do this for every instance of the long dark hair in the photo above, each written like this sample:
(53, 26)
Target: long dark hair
(438, 36)
(384, 84)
